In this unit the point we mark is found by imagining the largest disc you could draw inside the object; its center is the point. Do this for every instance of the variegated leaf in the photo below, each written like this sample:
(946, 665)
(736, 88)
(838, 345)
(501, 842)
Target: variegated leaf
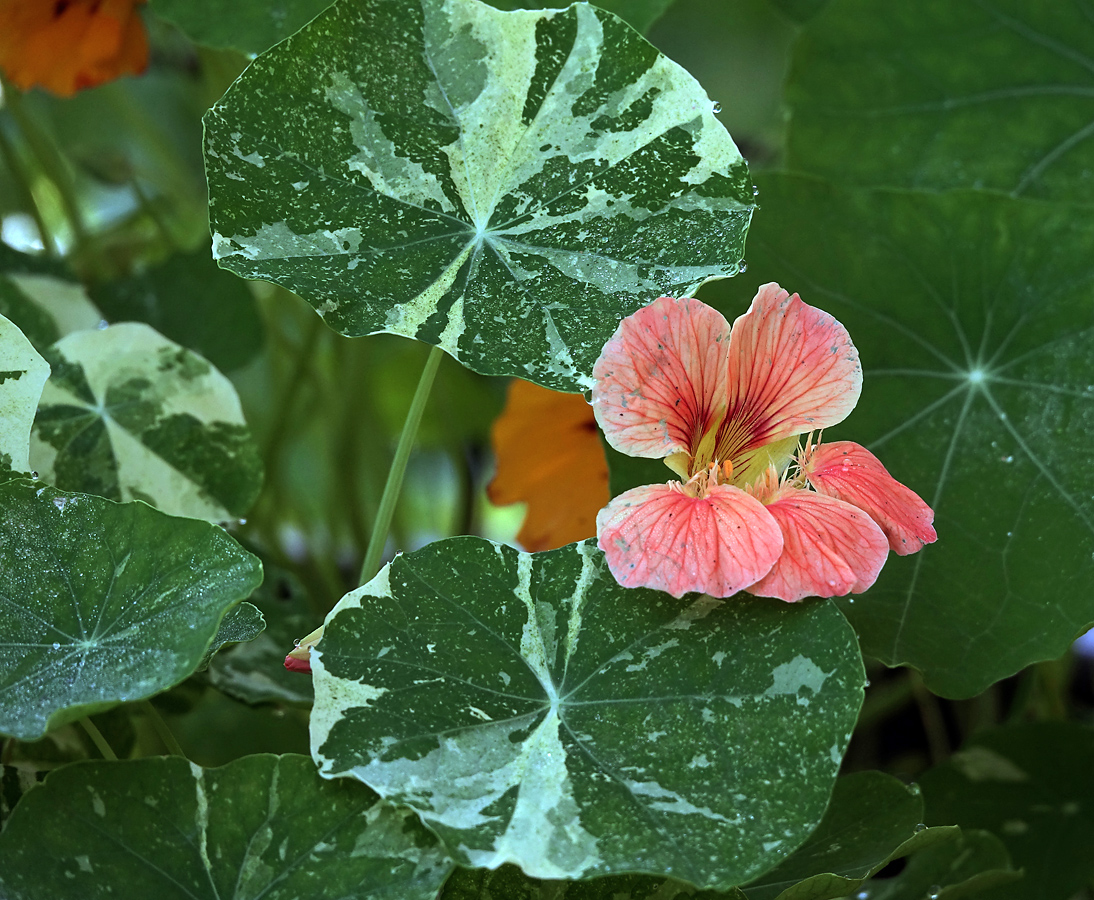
(505, 185)
(22, 374)
(533, 711)
(130, 415)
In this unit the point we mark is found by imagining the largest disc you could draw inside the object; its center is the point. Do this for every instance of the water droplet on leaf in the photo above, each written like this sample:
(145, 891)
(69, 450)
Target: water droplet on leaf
(920, 827)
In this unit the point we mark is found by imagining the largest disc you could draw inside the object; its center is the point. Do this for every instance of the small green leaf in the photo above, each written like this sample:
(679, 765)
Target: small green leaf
(193, 302)
(130, 415)
(936, 94)
(102, 603)
(973, 314)
(1033, 787)
(871, 819)
(22, 374)
(255, 672)
(262, 826)
(506, 186)
(964, 867)
(43, 299)
(533, 711)
(251, 26)
(241, 624)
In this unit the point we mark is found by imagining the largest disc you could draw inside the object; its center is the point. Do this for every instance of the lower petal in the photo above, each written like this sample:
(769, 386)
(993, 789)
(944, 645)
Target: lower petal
(659, 537)
(850, 472)
(830, 548)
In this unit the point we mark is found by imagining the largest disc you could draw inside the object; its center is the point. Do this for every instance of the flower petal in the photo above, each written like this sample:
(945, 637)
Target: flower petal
(659, 537)
(792, 369)
(852, 473)
(660, 379)
(549, 456)
(830, 548)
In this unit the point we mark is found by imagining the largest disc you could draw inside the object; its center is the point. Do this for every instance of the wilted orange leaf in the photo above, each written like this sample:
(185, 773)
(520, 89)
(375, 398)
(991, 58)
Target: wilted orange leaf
(549, 456)
(63, 46)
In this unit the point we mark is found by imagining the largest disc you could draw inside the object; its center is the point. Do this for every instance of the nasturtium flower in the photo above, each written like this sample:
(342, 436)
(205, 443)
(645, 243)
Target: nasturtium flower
(64, 46)
(549, 456)
(757, 509)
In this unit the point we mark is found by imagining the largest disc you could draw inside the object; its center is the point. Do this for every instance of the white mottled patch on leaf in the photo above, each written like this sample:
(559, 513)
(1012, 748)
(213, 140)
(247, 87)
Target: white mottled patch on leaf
(66, 302)
(22, 374)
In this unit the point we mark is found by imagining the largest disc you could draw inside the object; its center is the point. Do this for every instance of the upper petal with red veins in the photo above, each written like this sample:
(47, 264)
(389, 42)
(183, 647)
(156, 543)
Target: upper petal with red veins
(792, 369)
(658, 537)
(850, 472)
(660, 379)
(830, 548)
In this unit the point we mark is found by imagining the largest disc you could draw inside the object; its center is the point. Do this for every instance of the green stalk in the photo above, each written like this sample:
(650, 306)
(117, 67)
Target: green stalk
(98, 739)
(394, 484)
(172, 745)
(22, 181)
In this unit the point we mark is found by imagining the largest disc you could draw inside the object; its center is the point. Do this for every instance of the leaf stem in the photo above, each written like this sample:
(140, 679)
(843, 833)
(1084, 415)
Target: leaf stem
(22, 182)
(98, 740)
(169, 741)
(371, 564)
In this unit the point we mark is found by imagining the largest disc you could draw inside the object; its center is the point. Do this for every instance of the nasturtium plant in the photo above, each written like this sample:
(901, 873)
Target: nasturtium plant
(506, 186)
(938, 94)
(974, 316)
(130, 415)
(22, 375)
(104, 603)
(260, 826)
(533, 711)
(241, 624)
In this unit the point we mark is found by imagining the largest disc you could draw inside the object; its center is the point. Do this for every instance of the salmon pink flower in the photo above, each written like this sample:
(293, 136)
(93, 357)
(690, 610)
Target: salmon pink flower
(724, 407)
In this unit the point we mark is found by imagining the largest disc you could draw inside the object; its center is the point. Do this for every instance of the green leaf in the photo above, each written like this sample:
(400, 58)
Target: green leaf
(255, 672)
(973, 314)
(241, 624)
(533, 711)
(639, 14)
(937, 94)
(251, 26)
(509, 883)
(261, 826)
(800, 11)
(22, 374)
(1033, 787)
(43, 299)
(102, 603)
(190, 300)
(872, 818)
(130, 415)
(506, 186)
(964, 867)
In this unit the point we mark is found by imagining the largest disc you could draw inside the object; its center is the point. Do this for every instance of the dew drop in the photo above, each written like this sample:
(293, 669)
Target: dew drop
(56, 646)
(103, 324)
(915, 789)
(34, 475)
(934, 893)
(716, 107)
(742, 268)
(866, 683)
(862, 895)
(242, 521)
(1008, 459)
(920, 827)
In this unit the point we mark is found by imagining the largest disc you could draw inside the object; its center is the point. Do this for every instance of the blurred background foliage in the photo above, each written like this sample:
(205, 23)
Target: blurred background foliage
(108, 188)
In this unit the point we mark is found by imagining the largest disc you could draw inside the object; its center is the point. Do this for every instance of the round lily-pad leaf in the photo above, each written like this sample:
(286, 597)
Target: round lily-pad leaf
(129, 415)
(505, 185)
(260, 827)
(535, 712)
(101, 602)
(973, 314)
(22, 374)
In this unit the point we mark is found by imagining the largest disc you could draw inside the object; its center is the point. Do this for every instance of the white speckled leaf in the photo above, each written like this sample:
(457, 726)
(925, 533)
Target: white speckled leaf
(103, 603)
(129, 415)
(533, 711)
(505, 185)
(260, 827)
(22, 374)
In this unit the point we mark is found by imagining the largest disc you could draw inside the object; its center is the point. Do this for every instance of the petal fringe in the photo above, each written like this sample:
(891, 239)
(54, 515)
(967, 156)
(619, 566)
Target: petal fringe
(830, 548)
(660, 379)
(792, 368)
(850, 472)
(658, 537)
(549, 456)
